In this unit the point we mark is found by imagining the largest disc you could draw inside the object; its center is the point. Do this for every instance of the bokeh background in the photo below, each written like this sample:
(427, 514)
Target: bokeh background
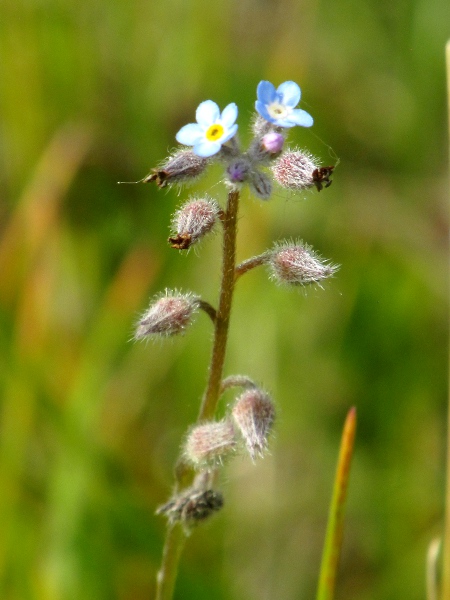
(92, 93)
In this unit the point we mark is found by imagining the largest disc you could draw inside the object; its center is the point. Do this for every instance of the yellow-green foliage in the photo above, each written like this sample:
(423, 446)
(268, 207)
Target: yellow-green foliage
(90, 422)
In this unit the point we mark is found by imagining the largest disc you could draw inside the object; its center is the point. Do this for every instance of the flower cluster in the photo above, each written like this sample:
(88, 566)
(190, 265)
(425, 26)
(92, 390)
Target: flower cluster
(214, 138)
(248, 422)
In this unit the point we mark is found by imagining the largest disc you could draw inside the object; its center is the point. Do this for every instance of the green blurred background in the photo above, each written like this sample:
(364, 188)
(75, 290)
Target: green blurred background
(92, 93)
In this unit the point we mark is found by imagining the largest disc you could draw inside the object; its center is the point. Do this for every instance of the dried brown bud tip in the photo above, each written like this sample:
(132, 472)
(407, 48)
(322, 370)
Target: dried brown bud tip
(254, 414)
(210, 443)
(193, 221)
(183, 166)
(321, 177)
(181, 241)
(169, 315)
(298, 264)
(192, 506)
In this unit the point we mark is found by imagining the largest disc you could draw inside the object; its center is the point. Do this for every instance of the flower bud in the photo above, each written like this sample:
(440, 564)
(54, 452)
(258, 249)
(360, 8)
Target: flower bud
(238, 170)
(169, 315)
(298, 264)
(210, 443)
(192, 221)
(260, 185)
(254, 415)
(272, 142)
(192, 506)
(182, 167)
(299, 171)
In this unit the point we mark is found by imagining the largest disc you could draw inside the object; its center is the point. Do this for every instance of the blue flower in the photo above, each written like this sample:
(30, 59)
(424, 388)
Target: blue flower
(278, 105)
(211, 130)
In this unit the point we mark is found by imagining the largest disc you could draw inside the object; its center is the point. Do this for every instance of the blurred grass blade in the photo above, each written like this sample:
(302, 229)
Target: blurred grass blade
(433, 556)
(335, 527)
(446, 559)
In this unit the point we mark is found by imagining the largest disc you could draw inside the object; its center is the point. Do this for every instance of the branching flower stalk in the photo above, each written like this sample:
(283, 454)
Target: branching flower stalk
(247, 426)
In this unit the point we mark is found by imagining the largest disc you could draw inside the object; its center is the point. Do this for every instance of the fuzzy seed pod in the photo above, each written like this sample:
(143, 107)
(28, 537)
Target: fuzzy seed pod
(300, 171)
(183, 166)
(297, 264)
(192, 221)
(168, 315)
(192, 506)
(210, 443)
(254, 415)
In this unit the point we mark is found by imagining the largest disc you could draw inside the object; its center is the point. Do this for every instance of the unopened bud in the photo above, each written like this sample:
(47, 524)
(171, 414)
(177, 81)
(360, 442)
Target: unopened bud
(272, 142)
(238, 170)
(182, 167)
(261, 185)
(192, 221)
(299, 171)
(298, 264)
(192, 506)
(169, 315)
(210, 443)
(254, 415)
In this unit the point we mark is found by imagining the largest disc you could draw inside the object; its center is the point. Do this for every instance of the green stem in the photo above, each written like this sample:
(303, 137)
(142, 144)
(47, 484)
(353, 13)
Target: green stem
(446, 561)
(335, 527)
(175, 536)
(173, 547)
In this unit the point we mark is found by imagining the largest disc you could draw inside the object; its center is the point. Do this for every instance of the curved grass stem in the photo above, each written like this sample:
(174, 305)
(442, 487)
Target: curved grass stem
(445, 594)
(335, 526)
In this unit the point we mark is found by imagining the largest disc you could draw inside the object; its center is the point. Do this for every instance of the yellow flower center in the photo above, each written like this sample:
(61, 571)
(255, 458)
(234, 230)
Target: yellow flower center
(214, 132)
(277, 111)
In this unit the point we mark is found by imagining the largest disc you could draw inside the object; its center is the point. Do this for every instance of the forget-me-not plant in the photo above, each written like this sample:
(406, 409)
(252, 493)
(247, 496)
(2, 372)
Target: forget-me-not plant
(246, 425)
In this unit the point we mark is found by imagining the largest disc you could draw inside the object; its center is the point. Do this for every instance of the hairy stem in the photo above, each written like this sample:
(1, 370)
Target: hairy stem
(251, 263)
(212, 393)
(175, 536)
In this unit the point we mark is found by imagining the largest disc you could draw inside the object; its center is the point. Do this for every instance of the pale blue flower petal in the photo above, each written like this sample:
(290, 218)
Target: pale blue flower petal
(229, 115)
(189, 134)
(266, 92)
(261, 108)
(229, 134)
(205, 148)
(301, 117)
(207, 113)
(289, 94)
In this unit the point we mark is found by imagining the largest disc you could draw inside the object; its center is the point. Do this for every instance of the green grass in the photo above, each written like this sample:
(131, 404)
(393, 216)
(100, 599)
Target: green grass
(90, 423)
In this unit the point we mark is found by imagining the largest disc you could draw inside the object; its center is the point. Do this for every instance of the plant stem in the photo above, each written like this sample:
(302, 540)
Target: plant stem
(211, 397)
(446, 561)
(175, 536)
(173, 547)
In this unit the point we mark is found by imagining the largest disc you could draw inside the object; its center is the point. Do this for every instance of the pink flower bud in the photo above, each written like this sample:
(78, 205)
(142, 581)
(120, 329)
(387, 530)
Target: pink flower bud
(272, 142)
(182, 167)
(299, 265)
(254, 415)
(300, 171)
(193, 221)
(169, 315)
(210, 443)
